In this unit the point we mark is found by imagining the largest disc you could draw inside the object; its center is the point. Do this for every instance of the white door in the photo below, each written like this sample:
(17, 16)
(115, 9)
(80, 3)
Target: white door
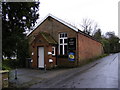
(40, 57)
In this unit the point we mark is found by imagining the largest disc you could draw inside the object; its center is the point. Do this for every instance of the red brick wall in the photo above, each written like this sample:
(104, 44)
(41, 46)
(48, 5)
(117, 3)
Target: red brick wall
(88, 48)
(54, 27)
(34, 48)
(47, 48)
(52, 64)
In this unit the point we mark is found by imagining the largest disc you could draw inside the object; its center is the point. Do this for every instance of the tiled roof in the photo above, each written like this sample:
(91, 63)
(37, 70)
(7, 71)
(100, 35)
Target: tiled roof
(48, 38)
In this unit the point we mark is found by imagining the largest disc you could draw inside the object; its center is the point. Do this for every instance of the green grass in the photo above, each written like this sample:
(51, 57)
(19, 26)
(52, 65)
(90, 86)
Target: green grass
(99, 57)
(94, 59)
(8, 64)
(83, 63)
(11, 64)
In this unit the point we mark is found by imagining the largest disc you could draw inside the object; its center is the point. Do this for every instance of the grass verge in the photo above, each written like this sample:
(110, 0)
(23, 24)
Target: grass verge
(93, 59)
(8, 64)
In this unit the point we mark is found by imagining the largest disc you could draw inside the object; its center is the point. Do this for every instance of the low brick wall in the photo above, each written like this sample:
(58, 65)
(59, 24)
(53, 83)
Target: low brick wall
(5, 78)
(64, 62)
(88, 48)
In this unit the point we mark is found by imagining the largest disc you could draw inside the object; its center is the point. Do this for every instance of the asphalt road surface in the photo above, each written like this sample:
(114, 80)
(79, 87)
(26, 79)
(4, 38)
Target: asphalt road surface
(102, 73)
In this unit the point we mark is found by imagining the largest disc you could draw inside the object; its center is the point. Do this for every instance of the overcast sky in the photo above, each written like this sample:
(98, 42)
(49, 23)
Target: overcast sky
(104, 12)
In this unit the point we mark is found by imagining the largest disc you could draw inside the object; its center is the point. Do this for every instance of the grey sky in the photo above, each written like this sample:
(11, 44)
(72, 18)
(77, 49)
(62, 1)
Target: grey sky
(104, 12)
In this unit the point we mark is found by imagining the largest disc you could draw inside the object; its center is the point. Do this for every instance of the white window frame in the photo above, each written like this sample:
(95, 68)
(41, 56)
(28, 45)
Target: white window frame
(63, 44)
(53, 50)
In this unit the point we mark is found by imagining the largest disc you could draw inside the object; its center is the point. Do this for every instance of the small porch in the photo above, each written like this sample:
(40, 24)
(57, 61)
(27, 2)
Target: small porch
(44, 52)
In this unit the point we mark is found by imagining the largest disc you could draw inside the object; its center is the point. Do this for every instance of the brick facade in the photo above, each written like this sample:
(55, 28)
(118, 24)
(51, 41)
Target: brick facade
(86, 46)
(41, 42)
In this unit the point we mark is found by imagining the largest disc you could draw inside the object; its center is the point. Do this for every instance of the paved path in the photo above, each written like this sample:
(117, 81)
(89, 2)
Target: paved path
(102, 73)
(28, 77)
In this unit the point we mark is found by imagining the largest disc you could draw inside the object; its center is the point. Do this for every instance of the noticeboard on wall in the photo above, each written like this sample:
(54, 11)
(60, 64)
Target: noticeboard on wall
(71, 43)
(71, 56)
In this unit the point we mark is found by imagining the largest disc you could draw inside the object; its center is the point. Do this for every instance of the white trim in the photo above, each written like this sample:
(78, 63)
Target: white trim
(63, 44)
(63, 22)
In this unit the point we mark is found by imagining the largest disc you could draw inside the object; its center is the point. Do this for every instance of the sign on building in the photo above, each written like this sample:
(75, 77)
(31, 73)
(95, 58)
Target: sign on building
(71, 56)
(71, 43)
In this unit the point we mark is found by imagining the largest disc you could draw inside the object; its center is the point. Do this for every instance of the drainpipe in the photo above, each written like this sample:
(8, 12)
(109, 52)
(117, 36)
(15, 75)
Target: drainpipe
(56, 54)
(77, 48)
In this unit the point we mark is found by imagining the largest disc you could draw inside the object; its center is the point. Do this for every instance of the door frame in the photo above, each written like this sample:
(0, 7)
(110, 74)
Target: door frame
(38, 56)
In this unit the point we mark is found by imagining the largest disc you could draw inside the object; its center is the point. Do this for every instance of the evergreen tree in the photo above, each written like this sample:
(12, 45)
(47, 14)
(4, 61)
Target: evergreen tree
(113, 42)
(17, 17)
(98, 35)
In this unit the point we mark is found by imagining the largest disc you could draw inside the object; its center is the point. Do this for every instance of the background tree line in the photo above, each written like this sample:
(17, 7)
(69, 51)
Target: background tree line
(110, 41)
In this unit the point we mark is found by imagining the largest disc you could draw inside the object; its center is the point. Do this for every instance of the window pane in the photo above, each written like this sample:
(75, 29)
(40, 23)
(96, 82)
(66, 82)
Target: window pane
(61, 35)
(65, 34)
(65, 40)
(65, 49)
(61, 49)
(52, 52)
(61, 41)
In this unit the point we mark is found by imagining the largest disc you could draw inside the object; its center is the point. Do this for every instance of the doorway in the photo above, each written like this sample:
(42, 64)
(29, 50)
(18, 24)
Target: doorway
(40, 57)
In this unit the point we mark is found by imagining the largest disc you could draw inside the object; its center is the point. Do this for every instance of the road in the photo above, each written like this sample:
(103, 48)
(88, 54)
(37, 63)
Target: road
(102, 73)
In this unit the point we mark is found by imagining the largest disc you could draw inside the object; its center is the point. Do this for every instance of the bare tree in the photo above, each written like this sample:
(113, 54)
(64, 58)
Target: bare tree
(95, 28)
(86, 25)
(89, 25)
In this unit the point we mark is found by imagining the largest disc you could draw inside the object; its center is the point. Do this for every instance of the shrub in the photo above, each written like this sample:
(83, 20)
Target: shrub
(8, 64)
